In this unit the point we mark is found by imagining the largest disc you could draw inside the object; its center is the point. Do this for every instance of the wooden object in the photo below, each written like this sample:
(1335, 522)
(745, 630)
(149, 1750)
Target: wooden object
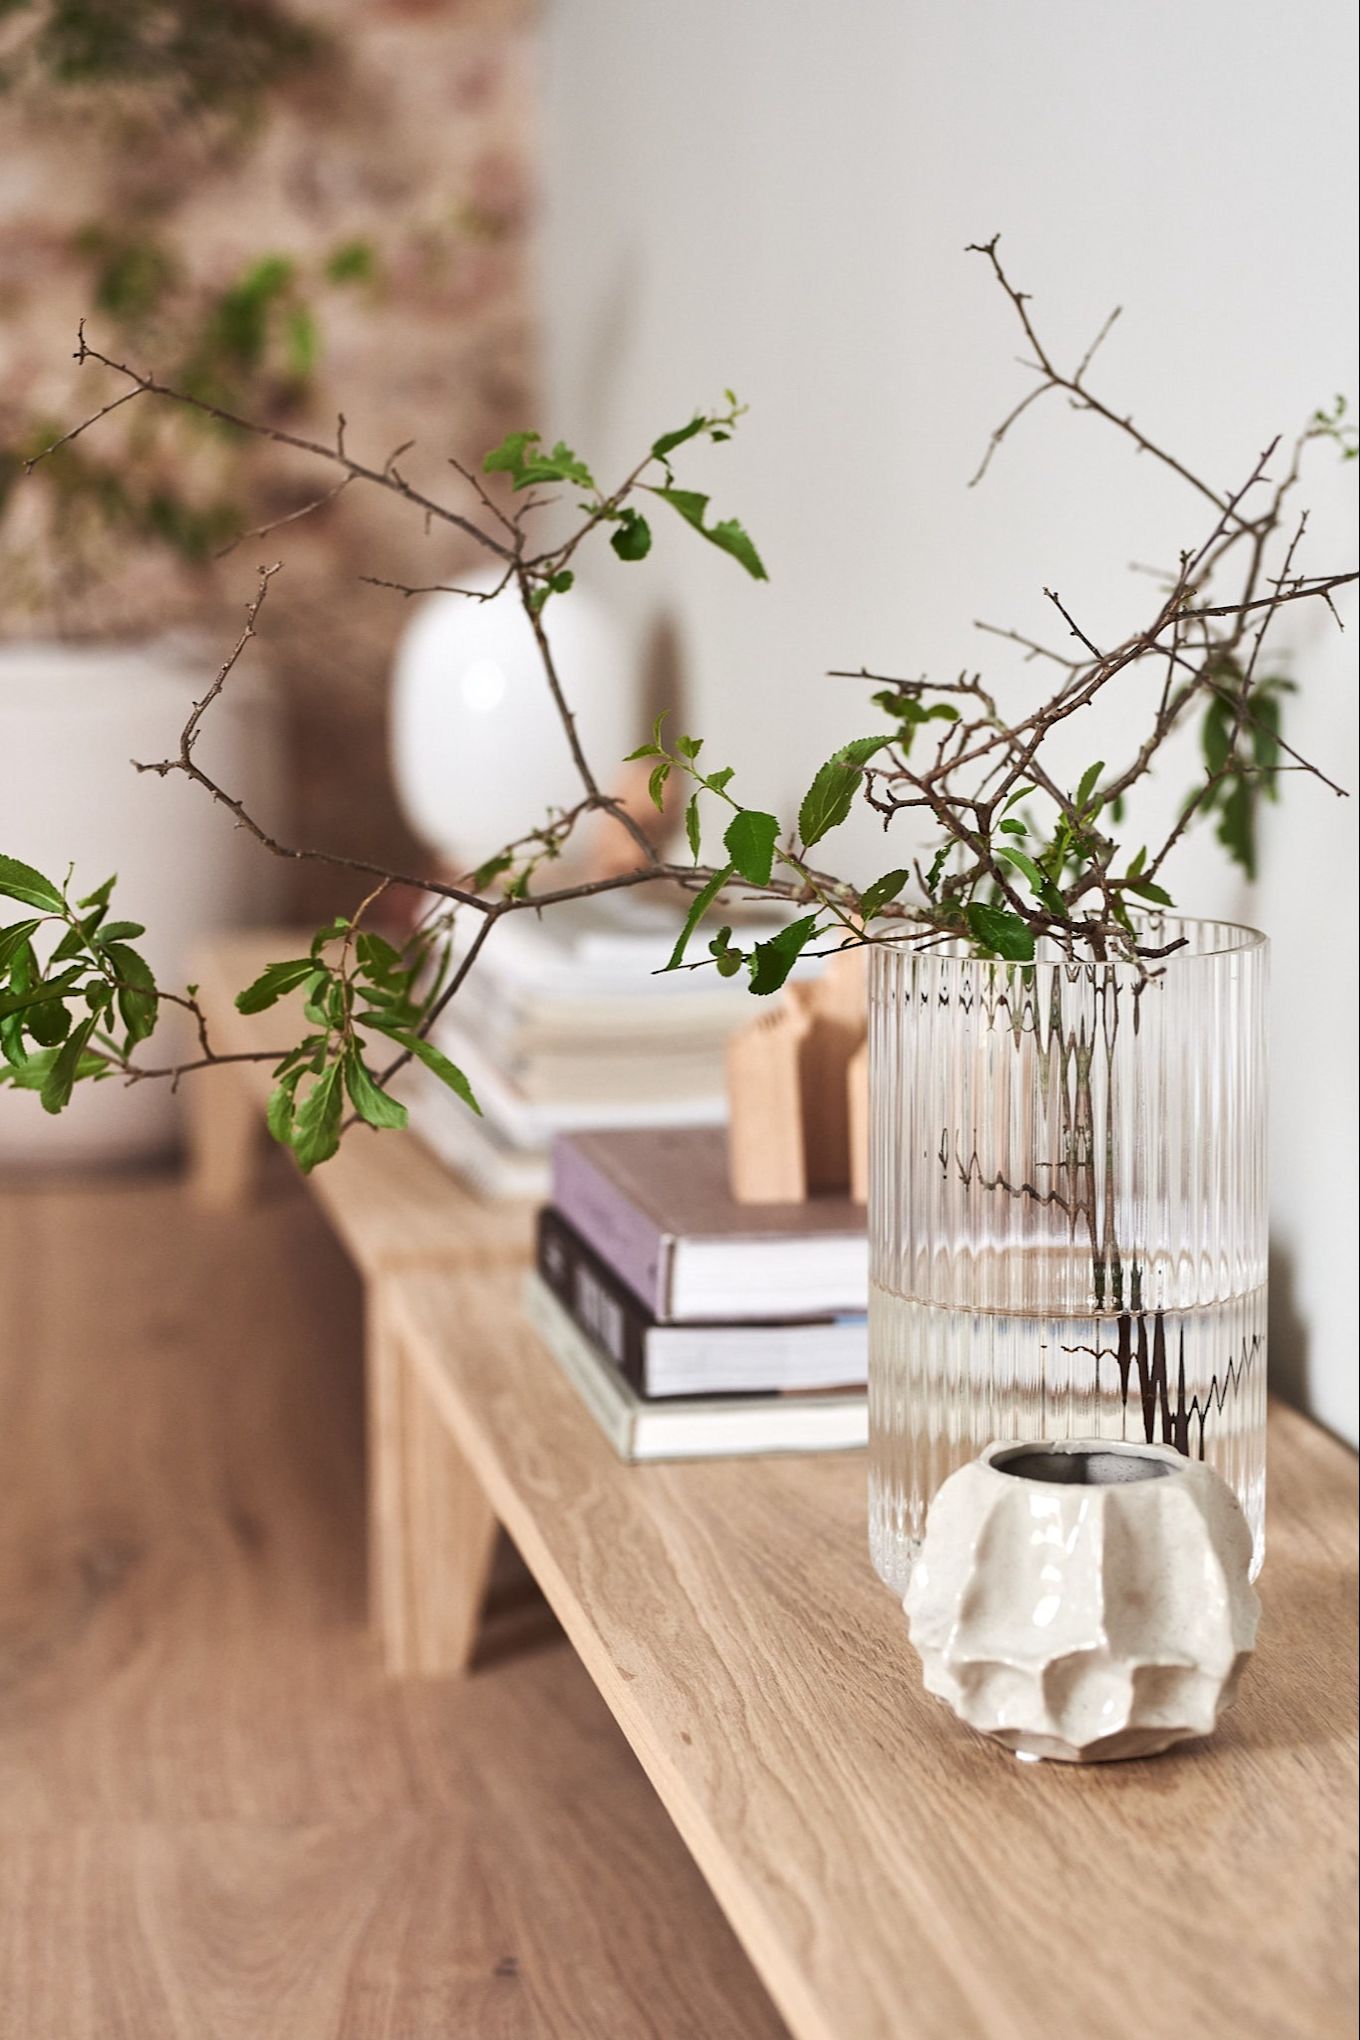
(393, 1206)
(890, 1873)
(791, 1075)
(218, 1820)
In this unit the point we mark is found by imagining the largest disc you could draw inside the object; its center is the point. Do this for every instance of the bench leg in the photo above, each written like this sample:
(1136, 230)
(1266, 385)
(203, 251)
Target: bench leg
(225, 1134)
(432, 1532)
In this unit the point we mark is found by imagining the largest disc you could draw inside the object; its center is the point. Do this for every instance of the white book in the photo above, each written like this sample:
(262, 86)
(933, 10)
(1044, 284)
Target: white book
(718, 1427)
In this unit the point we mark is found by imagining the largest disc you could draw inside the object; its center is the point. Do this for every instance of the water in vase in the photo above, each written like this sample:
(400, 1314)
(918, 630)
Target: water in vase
(946, 1381)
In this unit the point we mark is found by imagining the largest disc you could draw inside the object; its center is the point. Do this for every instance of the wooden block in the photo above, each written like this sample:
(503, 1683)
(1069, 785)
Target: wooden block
(766, 1163)
(789, 1125)
(857, 1109)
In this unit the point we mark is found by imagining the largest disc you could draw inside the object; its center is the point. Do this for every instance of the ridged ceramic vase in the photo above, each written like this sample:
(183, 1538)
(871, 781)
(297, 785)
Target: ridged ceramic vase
(1067, 1212)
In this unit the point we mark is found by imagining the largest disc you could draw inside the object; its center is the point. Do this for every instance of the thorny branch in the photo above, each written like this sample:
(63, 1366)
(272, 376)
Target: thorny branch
(974, 784)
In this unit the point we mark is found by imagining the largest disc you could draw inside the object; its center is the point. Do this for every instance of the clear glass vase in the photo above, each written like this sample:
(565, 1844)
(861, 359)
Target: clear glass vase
(1067, 1212)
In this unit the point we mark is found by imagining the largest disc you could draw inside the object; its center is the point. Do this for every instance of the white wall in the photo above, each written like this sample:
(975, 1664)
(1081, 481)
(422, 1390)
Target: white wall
(776, 195)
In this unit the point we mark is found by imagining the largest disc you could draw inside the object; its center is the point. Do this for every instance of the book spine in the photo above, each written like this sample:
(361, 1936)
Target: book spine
(607, 1313)
(624, 1238)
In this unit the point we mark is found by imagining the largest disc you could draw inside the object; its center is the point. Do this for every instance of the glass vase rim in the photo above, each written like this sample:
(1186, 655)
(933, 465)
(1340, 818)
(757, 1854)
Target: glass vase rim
(1239, 938)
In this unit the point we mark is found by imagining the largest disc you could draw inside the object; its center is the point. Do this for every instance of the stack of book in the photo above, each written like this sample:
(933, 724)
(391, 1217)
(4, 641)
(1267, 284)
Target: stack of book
(568, 1021)
(692, 1325)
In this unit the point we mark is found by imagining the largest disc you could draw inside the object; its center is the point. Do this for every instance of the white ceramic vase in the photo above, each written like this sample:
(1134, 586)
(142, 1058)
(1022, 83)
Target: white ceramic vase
(72, 718)
(1084, 1600)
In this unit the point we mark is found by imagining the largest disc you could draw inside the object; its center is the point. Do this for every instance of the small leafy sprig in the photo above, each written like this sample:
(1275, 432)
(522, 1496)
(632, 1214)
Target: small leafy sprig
(84, 1010)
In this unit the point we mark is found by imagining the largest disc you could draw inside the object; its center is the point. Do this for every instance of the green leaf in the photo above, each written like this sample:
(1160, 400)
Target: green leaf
(831, 795)
(937, 865)
(881, 891)
(65, 1068)
(772, 961)
(1147, 890)
(492, 869)
(425, 1052)
(518, 456)
(699, 906)
(719, 781)
(278, 1113)
(367, 1096)
(1039, 882)
(121, 931)
(668, 441)
(1021, 793)
(13, 939)
(1014, 828)
(351, 262)
(25, 996)
(728, 536)
(1237, 826)
(272, 983)
(316, 1121)
(1089, 779)
(631, 537)
(302, 342)
(656, 784)
(137, 1000)
(692, 826)
(999, 932)
(1217, 734)
(21, 882)
(689, 747)
(49, 1022)
(749, 842)
(100, 896)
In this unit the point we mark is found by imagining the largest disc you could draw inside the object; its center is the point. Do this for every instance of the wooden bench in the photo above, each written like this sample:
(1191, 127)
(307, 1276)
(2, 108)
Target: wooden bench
(891, 1876)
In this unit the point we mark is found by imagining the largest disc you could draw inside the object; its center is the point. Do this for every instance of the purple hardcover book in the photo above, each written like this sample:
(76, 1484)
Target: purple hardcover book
(654, 1204)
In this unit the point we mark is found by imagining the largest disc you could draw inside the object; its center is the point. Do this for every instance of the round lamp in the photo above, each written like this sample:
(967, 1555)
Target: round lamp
(478, 749)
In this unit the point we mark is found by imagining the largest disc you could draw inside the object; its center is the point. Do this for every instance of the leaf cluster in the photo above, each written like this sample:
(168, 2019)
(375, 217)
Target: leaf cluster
(82, 1007)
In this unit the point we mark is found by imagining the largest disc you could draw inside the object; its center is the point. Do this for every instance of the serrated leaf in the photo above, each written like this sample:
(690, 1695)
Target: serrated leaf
(61, 1078)
(729, 536)
(656, 784)
(719, 781)
(1146, 889)
(278, 1113)
(1089, 779)
(831, 795)
(631, 537)
(366, 1095)
(49, 1022)
(668, 441)
(1000, 932)
(1039, 882)
(937, 865)
(772, 961)
(425, 1052)
(316, 1121)
(689, 747)
(26, 996)
(21, 882)
(13, 939)
(138, 1003)
(749, 842)
(1014, 828)
(121, 931)
(699, 906)
(880, 892)
(692, 826)
(519, 457)
(273, 982)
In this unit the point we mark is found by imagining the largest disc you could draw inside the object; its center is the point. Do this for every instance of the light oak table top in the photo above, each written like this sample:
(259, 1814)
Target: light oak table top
(892, 1876)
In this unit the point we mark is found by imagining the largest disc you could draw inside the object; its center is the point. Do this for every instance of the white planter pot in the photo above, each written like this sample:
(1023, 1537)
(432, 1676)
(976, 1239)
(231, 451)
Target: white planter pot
(1084, 1600)
(72, 717)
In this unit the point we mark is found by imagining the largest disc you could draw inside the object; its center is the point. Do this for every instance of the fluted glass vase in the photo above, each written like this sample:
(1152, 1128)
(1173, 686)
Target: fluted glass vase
(1067, 1212)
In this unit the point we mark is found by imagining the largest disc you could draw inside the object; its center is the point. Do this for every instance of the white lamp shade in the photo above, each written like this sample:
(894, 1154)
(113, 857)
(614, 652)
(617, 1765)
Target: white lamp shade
(478, 749)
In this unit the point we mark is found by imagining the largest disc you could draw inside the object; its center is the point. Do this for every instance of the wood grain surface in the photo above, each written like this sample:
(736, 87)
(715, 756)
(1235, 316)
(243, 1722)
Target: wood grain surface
(893, 1876)
(218, 1821)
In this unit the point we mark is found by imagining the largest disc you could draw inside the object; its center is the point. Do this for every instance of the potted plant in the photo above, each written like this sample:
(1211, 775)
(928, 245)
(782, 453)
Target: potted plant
(1067, 1206)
